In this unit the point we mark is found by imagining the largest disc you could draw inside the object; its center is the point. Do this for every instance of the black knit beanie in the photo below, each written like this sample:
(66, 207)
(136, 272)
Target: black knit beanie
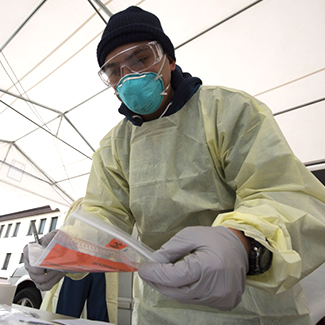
(132, 25)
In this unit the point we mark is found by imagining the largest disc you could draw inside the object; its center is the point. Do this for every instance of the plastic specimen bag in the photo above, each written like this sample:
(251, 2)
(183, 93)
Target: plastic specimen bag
(87, 243)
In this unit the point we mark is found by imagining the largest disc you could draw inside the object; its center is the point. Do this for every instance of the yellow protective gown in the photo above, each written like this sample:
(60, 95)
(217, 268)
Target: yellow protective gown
(220, 160)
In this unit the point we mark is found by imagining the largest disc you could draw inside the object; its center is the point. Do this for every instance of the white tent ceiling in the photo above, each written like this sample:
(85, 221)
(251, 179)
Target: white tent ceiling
(54, 109)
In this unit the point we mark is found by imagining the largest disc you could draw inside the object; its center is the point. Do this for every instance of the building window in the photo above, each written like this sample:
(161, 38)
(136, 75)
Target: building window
(16, 229)
(41, 226)
(21, 258)
(1, 229)
(30, 230)
(54, 221)
(6, 262)
(8, 230)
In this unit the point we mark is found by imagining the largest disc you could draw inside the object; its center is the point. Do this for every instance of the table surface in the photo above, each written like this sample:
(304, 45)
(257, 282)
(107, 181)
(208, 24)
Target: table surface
(38, 314)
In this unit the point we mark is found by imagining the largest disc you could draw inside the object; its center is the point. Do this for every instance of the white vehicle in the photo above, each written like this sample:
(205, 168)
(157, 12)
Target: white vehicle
(26, 292)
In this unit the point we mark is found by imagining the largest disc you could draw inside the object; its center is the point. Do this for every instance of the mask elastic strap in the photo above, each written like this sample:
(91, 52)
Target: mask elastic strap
(164, 93)
(159, 74)
(164, 112)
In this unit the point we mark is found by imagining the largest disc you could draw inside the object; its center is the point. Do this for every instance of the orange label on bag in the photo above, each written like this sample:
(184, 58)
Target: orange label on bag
(61, 257)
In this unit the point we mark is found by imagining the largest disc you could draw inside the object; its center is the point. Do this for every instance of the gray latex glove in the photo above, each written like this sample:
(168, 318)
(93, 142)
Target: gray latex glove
(200, 265)
(43, 279)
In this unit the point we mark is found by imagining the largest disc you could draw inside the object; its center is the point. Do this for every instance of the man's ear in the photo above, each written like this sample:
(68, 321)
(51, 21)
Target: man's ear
(172, 63)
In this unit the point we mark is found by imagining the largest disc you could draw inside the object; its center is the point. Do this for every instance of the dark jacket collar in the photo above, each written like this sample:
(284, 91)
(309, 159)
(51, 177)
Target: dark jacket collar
(184, 85)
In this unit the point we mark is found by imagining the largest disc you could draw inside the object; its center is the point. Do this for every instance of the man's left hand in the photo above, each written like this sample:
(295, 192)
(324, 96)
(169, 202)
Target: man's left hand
(200, 265)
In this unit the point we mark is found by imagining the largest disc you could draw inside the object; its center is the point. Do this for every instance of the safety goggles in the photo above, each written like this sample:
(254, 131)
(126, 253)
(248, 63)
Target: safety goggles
(137, 58)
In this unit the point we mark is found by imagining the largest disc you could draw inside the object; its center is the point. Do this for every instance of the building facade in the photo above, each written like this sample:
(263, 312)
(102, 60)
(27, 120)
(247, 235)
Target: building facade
(16, 232)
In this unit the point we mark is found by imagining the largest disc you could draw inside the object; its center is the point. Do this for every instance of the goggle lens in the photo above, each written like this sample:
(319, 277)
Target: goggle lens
(136, 59)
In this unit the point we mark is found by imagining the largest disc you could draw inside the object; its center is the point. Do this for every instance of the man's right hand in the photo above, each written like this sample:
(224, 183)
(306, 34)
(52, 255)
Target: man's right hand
(43, 279)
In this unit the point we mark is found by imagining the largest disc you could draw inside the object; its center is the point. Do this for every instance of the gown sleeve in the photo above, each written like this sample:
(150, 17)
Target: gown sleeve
(277, 197)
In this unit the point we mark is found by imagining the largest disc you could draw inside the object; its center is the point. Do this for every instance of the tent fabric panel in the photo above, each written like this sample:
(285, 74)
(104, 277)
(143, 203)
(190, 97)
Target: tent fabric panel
(44, 32)
(21, 8)
(49, 152)
(97, 116)
(71, 83)
(305, 90)
(29, 112)
(17, 158)
(13, 125)
(76, 186)
(40, 77)
(261, 48)
(70, 171)
(15, 175)
(184, 19)
(304, 130)
(15, 199)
